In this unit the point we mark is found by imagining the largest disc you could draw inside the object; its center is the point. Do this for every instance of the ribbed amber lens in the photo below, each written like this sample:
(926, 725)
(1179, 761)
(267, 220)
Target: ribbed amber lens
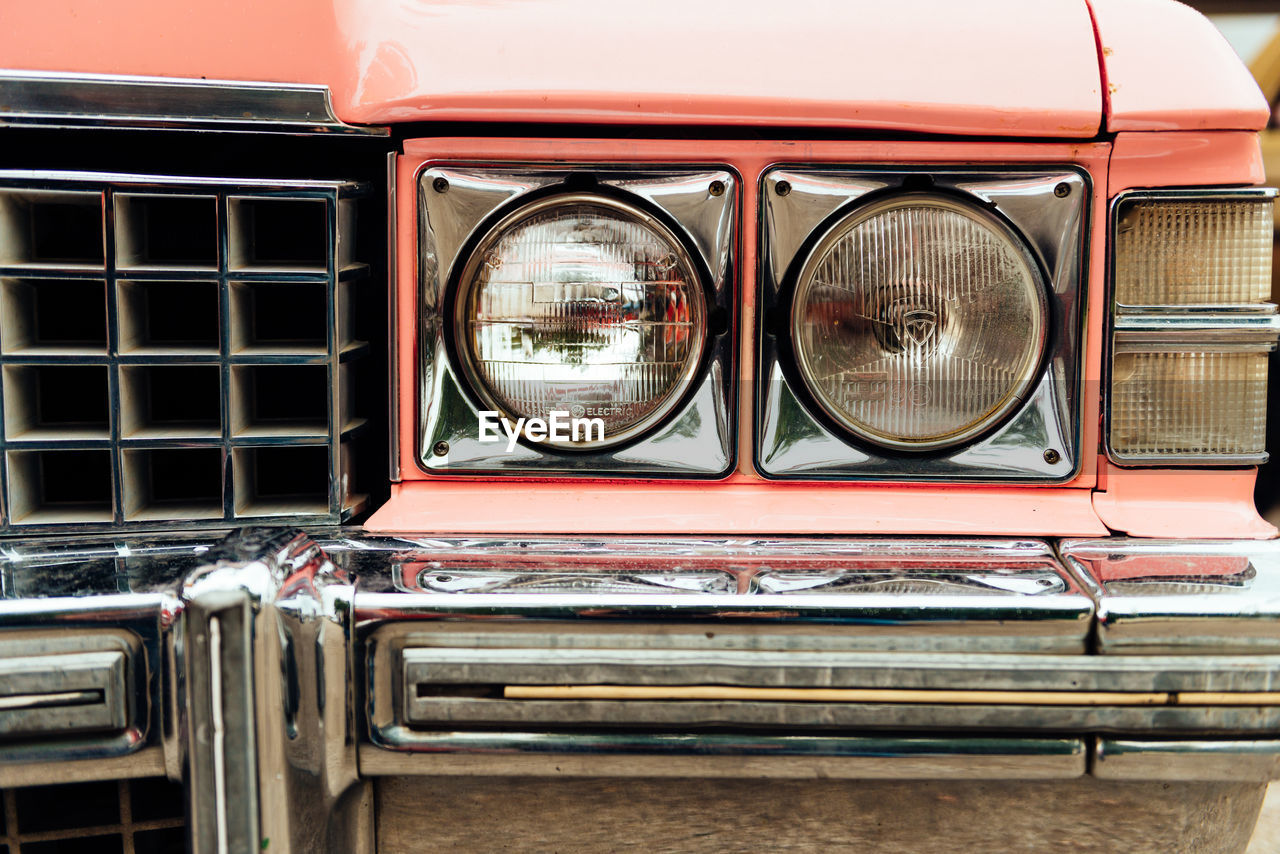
(1191, 252)
(1169, 404)
(918, 321)
(584, 305)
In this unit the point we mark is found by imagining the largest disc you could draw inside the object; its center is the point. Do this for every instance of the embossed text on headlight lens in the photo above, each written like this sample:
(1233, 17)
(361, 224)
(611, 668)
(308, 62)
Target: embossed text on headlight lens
(918, 321)
(581, 304)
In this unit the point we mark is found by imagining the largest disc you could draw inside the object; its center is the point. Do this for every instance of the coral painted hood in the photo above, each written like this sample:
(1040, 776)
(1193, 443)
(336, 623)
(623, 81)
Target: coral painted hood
(992, 67)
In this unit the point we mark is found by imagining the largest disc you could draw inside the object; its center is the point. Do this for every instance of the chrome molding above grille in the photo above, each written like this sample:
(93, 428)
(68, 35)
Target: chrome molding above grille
(49, 99)
(175, 350)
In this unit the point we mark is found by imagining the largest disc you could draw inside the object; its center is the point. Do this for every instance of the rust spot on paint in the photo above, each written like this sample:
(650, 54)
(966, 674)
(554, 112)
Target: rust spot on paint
(1106, 51)
(1112, 88)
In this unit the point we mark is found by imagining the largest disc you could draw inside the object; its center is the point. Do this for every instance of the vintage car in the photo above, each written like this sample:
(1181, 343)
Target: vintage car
(692, 427)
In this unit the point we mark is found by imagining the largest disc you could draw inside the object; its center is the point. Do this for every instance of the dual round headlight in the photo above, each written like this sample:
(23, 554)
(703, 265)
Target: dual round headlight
(917, 321)
(585, 305)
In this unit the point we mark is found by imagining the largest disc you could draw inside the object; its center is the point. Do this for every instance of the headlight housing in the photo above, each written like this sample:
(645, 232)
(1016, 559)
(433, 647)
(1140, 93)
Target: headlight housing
(600, 293)
(1028, 430)
(584, 304)
(918, 321)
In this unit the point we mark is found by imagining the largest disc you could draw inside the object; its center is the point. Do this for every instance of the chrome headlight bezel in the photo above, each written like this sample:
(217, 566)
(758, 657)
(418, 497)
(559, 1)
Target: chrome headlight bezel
(459, 205)
(1037, 439)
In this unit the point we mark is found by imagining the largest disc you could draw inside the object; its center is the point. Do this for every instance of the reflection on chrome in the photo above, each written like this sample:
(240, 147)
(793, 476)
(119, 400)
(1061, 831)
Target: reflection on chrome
(919, 580)
(439, 579)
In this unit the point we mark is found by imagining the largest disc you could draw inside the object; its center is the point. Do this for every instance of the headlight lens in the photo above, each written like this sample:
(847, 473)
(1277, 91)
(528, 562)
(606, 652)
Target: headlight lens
(582, 304)
(918, 321)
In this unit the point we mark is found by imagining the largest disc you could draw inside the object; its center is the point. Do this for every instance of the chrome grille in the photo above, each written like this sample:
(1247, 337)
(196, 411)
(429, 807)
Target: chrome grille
(176, 350)
(125, 816)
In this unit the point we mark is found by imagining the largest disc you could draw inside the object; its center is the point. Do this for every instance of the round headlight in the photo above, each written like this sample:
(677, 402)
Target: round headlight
(918, 321)
(584, 305)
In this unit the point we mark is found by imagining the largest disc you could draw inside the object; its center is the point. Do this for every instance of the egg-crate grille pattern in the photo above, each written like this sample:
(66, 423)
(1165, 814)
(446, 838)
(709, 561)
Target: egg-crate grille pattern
(116, 817)
(175, 350)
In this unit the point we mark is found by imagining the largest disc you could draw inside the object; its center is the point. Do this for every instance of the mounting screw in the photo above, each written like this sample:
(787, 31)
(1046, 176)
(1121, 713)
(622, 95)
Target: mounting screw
(782, 188)
(1062, 190)
(440, 449)
(716, 188)
(440, 185)
(1052, 457)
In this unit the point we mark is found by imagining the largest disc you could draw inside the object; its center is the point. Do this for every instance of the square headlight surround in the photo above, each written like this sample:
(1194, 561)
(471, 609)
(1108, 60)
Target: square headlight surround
(457, 202)
(1039, 441)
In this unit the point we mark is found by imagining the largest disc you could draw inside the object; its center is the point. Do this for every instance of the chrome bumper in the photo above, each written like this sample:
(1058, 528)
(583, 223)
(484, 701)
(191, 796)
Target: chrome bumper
(277, 673)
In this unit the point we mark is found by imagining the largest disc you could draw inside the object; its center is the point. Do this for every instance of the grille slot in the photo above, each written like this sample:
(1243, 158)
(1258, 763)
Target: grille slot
(34, 320)
(56, 487)
(279, 400)
(260, 310)
(279, 480)
(164, 483)
(277, 235)
(168, 318)
(46, 228)
(165, 232)
(57, 401)
(170, 401)
(176, 350)
(141, 816)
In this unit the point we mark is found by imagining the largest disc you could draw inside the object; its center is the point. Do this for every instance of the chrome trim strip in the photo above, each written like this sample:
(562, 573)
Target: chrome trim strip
(996, 677)
(54, 99)
(218, 727)
(980, 595)
(344, 189)
(711, 755)
(1183, 761)
(393, 321)
(1201, 332)
(1206, 194)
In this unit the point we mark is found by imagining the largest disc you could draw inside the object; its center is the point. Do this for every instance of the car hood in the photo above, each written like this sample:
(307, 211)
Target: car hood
(989, 67)
(1003, 67)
